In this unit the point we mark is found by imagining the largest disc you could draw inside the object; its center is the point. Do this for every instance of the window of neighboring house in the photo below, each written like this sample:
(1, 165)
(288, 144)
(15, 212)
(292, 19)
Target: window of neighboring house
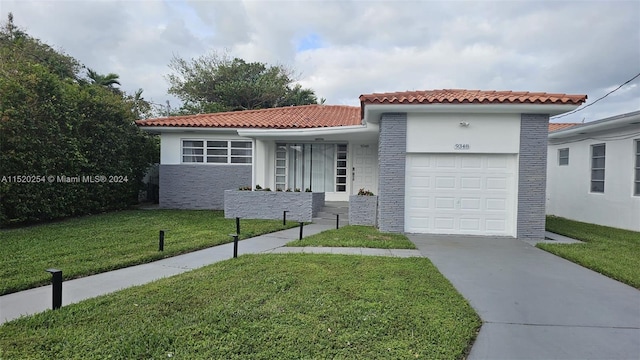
(597, 168)
(636, 190)
(563, 156)
(217, 151)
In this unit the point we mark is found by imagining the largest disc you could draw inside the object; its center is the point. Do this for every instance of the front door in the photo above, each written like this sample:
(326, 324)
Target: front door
(364, 168)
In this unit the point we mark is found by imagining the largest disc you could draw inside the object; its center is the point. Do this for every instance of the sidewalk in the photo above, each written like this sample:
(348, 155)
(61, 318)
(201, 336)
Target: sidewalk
(36, 300)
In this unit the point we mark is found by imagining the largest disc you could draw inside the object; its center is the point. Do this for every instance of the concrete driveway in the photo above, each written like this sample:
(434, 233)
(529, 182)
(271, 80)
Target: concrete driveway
(535, 305)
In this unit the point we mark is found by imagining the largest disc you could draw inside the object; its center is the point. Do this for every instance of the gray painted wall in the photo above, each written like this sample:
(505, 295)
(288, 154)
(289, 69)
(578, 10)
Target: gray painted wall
(391, 181)
(200, 186)
(301, 206)
(363, 210)
(532, 182)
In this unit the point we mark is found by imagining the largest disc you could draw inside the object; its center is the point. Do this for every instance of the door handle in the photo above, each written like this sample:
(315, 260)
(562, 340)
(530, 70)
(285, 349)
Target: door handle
(353, 174)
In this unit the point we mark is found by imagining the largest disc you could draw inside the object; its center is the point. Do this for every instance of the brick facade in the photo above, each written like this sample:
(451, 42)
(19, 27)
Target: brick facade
(391, 180)
(532, 176)
(301, 206)
(363, 210)
(200, 186)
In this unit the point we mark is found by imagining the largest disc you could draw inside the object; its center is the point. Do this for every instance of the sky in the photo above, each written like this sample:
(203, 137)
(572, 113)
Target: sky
(342, 49)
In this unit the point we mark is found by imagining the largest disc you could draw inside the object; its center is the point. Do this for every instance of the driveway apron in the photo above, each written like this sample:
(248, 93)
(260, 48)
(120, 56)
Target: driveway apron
(535, 305)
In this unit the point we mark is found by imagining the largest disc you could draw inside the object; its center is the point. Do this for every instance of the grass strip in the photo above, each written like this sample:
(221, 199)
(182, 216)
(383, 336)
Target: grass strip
(274, 306)
(355, 236)
(609, 251)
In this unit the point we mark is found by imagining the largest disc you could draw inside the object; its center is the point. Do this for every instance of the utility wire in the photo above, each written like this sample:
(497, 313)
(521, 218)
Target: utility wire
(607, 94)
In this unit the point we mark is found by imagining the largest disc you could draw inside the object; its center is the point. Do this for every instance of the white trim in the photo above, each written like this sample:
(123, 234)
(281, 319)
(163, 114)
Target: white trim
(187, 129)
(326, 131)
(372, 112)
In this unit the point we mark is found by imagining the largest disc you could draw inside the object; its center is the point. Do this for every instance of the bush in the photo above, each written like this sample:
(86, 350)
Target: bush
(66, 147)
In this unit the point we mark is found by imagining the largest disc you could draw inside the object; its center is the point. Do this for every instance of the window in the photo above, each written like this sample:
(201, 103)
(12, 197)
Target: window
(636, 190)
(563, 156)
(321, 167)
(597, 168)
(217, 151)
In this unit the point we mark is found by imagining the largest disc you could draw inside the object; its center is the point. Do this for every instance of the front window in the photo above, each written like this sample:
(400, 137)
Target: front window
(597, 167)
(636, 190)
(217, 151)
(319, 167)
(563, 156)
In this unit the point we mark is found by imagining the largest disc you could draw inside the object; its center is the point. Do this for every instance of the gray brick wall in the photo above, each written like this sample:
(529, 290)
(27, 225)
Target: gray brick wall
(363, 210)
(200, 186)
(391, 181)
(532, 175)
(271, 204)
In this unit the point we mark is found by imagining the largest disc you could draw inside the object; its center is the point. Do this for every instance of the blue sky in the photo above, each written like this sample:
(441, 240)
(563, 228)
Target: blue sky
(342, 49)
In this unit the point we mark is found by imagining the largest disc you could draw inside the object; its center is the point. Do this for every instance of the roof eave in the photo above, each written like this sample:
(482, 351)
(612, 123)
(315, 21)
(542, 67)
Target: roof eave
(175, 129)
(319, 131)
(614, 122)
(372, 112)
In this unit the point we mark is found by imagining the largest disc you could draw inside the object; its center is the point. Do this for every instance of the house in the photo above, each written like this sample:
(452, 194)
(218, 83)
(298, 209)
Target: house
(441, 161)
(593, 172)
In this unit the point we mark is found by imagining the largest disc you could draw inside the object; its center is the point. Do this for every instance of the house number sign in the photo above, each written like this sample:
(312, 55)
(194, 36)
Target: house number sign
(461, 146)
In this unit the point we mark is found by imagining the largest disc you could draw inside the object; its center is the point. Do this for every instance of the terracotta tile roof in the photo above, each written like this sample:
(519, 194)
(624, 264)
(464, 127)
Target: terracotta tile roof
(306, 116)
(458, 96)
(560, 126)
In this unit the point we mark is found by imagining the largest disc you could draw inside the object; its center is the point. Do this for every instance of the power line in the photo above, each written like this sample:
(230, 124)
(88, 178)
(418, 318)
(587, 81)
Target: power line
(605, 95)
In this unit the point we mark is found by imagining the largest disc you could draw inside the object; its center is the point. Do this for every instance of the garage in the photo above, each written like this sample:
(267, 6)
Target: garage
(472, 194)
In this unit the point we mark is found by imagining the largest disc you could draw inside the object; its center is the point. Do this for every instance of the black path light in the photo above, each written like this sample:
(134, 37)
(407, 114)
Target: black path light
(284, 217)
(56, 284)
(161, 241)
(235, 245)
(301, 226)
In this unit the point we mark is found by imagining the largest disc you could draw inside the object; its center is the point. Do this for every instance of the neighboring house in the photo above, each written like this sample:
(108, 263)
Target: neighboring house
(442, 161)
(593, 172)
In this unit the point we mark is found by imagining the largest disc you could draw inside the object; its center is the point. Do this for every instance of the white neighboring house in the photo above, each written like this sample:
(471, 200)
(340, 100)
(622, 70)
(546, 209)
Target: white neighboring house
(593, 172)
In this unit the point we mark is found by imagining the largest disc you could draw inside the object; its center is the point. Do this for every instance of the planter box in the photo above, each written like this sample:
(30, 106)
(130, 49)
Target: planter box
(363, 210)
(301, 206)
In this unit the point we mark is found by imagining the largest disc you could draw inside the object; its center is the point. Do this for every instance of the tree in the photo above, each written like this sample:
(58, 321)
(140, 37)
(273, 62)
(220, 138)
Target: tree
(140, 107)
(108, 81)
(214, 83)
(52, 124)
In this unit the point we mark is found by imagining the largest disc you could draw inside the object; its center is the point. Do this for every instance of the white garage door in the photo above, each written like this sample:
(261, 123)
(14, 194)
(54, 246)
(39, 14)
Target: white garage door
(472, 194)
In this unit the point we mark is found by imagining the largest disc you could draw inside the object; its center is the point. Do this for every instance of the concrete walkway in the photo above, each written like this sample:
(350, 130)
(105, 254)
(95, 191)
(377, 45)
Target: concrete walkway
(535, 305)
(39, 299)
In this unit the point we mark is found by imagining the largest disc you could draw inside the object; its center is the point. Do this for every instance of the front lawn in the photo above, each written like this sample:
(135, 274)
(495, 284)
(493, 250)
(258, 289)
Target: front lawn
(609, 251)
(274, 306)
(356, 236)
(98, 243)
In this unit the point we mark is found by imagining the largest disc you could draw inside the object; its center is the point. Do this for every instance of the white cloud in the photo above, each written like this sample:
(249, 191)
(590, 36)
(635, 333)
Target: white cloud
(582, 47)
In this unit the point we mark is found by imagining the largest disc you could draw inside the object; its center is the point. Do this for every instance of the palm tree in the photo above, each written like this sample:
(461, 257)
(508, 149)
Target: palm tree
(108, 81)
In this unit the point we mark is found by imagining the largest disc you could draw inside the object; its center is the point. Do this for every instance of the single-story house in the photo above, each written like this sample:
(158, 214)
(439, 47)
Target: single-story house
(593, 172)
(441, 161)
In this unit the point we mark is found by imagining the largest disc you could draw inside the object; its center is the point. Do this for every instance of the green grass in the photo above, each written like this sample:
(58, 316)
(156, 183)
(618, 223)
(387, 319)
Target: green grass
(98, 243)
(609, 251)
(356, 236)
(294, 306)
